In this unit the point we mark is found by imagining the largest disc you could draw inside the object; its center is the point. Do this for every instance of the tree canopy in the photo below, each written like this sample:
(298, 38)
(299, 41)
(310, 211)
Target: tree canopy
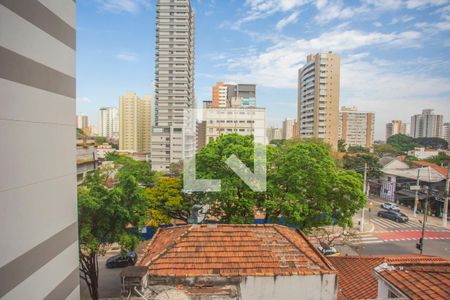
(405, 143)
(104, 214)
(356, 162)
(304, 186)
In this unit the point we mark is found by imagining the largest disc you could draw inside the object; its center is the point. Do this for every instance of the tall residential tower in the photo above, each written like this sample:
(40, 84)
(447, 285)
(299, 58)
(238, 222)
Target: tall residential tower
(356, 128)
(108, 122)
(135, 123)
(174, 82)
(427, 124)
(318, 98)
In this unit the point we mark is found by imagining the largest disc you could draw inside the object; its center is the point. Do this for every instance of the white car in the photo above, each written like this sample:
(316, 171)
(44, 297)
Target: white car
(390, 206)
(329, 251)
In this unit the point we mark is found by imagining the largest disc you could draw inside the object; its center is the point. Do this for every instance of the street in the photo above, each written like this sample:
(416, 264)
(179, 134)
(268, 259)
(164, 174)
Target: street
(385, 237)
(109, 281)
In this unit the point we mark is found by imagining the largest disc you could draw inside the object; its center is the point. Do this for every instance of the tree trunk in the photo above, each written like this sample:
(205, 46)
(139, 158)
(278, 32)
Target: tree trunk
(89, 273)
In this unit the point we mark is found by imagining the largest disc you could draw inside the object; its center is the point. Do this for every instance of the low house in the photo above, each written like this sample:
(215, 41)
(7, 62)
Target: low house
(386, 277)
(236, 262)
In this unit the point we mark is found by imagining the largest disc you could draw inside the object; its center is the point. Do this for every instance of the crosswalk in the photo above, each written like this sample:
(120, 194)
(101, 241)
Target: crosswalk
(390, 225)
(366, 238)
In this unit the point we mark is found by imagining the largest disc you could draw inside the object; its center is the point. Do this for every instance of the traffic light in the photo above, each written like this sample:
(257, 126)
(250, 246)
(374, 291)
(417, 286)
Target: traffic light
(419, 245)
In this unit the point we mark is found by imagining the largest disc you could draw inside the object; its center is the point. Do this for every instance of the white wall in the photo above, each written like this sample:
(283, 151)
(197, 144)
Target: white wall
(314, 287)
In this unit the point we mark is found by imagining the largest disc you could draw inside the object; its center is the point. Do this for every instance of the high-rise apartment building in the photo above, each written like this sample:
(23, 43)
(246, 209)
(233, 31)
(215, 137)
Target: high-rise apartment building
(135, 123)
(397, 127)
(82, 121)
(174, 82)
(38, 215)
(446, 133)
(288, 129)
(108, 122)
(318, 97)
(219, 96)
(427, 124)
(356, 128)
(233, 95)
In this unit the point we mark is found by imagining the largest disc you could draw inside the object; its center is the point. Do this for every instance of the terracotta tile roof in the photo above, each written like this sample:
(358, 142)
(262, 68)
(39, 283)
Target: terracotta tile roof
(232, 250)
(441, 170)
(355, 273)
(419, 280)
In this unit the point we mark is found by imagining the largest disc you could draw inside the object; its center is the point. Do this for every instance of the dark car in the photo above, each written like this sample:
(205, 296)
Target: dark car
(393, 215)
(121, 260)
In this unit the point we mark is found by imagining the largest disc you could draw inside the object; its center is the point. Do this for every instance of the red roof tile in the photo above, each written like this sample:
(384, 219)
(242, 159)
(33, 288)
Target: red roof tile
(420, 280)
(442, 170)
(232, 250)
(355, 273)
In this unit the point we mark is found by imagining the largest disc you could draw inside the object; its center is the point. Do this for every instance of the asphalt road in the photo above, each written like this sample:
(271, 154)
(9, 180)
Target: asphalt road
(109, 281)
(431, 247)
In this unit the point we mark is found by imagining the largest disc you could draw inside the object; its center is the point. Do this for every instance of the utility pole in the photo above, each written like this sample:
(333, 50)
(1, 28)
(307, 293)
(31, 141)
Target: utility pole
(416, 198)
(425, 214)
(361, 223)
(447, 196)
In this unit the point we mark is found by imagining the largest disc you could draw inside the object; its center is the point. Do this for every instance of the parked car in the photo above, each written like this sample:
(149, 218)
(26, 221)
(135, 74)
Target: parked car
(329, 251)
(393, 215)
(121, 260)
(390, 206)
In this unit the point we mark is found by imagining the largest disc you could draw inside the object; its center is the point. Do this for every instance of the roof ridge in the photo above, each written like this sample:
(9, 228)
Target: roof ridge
(321, 257)
(172, 243)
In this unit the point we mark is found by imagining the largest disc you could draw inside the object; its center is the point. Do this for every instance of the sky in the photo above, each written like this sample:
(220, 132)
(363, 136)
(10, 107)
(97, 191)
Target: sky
(395, 54)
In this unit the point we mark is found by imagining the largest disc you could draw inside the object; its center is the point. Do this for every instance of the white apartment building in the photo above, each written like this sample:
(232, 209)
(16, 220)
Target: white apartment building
(82, 122)
(174, 83)
(446, 132)
(427, 124)
(38, 186)
(134, 123)
(108, 122)
(221, 121)
(288, 129)
(356, 128)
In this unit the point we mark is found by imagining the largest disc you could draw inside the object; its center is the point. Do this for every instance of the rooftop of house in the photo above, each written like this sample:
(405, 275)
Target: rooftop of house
(356, 273)
(232, 251)
(441, 170)
(418, 279)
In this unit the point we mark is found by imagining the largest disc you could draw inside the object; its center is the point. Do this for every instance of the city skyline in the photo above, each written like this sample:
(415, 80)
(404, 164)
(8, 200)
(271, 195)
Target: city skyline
(394, 70)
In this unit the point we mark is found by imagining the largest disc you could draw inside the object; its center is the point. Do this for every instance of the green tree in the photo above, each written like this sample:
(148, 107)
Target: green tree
(342, 146)
(104, 214)
(440, 159)
(235, 202)
(384, 149)
(432, 142)
(167, 202)
(357, 149)
(402, 142)
(307, 189)
(357, 162)
(140, 170)
(100, 140)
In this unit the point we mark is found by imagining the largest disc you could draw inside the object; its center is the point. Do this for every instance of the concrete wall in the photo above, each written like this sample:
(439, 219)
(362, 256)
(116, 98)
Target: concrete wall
(38, 215)
(314, 287)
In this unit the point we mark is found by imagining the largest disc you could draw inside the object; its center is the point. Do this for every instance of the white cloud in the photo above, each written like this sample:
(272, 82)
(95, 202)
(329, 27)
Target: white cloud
(124, 6)
(83, 100)
(127, 56)
(291, 19)
(413, 4)
(331, 10)
(277, 66)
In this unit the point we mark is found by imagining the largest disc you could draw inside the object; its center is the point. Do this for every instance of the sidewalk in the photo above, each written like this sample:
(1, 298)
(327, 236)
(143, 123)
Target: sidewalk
(435, 221)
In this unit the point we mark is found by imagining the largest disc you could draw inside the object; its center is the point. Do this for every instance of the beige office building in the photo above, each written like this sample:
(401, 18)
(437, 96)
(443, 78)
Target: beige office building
(135, 123)
(221, 121)
(318, 98)
(396, 127)
(38, 184)
(356, 128)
